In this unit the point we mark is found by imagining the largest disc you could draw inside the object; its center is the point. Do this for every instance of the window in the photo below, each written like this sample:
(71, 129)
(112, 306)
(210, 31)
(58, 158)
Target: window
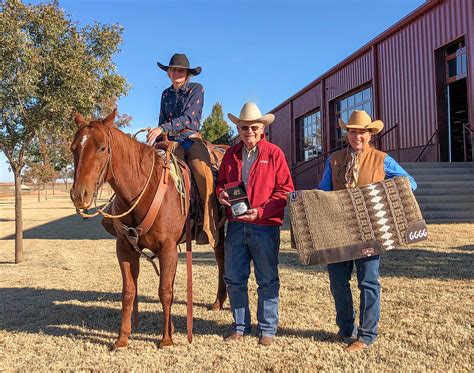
(456, 62)
(309, 136)
(361, 100)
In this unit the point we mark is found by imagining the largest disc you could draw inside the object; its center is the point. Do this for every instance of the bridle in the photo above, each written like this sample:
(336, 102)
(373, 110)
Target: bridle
(100, 181)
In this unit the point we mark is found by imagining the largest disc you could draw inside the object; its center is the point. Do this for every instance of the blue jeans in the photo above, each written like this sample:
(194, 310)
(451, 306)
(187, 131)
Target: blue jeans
(184, 142)
(245, 242)
(369, 286)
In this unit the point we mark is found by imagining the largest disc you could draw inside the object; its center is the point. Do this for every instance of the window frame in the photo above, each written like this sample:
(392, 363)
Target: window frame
(348, 108)
(458, 56)
(301, 149)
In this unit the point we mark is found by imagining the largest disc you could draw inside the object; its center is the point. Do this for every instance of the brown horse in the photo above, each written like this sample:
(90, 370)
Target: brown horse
(102, 153)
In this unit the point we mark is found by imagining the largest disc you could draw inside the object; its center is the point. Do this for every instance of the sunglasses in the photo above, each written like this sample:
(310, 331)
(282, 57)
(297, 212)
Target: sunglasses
(246, 128)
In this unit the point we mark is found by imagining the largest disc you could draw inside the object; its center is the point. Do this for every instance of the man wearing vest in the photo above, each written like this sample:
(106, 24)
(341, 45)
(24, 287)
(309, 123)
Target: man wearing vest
(254, 235)
(357, 165)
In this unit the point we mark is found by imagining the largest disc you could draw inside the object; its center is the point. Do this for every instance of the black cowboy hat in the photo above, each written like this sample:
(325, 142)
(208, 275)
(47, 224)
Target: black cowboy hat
(180, 61)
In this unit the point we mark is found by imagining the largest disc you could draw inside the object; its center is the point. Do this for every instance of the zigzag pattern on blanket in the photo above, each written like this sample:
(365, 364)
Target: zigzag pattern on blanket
(381, 220)
(352, 223)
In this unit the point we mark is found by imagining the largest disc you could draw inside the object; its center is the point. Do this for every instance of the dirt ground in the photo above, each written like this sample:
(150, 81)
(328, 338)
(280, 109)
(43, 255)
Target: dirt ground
(60, 308)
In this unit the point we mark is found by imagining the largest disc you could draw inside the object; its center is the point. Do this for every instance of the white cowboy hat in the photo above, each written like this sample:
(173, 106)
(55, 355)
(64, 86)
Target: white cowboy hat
(359, 119)
(251, 113)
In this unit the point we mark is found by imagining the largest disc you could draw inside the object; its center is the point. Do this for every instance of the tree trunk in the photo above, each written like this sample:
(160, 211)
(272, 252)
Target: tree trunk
(39, 193)
(18, 219)
(46, 191)
(54, 183)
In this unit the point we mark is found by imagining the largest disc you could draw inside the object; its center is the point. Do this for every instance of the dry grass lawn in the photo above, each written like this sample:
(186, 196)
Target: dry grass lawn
(59, 309)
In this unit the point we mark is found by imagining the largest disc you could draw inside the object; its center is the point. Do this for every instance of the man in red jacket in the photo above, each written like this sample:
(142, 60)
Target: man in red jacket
(254, 234)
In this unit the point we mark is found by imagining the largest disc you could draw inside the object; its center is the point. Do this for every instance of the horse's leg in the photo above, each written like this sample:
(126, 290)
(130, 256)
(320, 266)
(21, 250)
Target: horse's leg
(135, 272)
(221, 289)
(128, 262)
(168, 257)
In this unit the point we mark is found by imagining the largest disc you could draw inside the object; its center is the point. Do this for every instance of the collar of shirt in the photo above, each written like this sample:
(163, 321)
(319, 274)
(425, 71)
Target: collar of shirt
(249, 153)
(181, 89)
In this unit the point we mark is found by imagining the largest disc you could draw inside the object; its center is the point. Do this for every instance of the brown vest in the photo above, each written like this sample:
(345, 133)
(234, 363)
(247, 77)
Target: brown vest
(371, 167)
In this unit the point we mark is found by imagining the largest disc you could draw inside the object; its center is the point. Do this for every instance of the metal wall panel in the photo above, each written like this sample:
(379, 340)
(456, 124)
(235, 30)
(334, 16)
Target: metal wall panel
(350, 76)
(307, 102)
(280, 131)
(407, 71)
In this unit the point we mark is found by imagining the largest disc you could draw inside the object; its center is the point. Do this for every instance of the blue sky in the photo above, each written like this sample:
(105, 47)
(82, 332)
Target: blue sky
(262, 51)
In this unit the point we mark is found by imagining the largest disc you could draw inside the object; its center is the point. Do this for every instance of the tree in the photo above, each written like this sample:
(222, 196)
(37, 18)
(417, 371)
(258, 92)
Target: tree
(49, 69)
(42, 160)
(39, 174)
(215, 128)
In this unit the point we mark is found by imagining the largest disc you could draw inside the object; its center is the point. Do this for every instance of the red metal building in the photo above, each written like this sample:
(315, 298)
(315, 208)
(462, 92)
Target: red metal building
(417, 76)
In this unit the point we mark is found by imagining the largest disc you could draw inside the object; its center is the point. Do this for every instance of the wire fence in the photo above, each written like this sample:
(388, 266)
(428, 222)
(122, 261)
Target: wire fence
(46, 191)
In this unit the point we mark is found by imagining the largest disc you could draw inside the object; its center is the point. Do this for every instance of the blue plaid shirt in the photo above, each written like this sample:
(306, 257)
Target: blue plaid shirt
(181, 109)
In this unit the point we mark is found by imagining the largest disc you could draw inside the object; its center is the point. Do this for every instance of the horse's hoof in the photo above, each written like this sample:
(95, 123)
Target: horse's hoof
(117, 347)
(166, 344)
(217, 306)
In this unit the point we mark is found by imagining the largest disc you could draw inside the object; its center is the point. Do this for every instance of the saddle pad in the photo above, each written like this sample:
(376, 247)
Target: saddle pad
(331, 227)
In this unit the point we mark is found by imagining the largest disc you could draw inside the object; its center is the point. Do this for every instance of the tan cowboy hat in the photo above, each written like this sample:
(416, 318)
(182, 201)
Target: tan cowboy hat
(251, 113)
(361, 120)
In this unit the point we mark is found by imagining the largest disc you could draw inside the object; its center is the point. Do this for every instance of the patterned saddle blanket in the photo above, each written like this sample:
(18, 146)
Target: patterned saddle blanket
(331, 227)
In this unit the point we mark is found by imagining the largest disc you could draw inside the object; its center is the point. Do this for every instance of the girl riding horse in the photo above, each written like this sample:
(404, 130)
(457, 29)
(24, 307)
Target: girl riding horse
(180, 116)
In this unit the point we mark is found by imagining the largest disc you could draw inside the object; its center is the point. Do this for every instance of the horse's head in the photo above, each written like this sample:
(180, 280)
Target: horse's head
(91, 150)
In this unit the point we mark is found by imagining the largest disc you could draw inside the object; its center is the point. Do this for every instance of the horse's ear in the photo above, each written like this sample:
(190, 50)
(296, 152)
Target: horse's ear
(79, 119)
(109, 120)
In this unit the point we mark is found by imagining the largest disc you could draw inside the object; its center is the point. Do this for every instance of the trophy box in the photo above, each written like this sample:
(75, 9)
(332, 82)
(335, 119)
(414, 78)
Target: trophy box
(239, 202)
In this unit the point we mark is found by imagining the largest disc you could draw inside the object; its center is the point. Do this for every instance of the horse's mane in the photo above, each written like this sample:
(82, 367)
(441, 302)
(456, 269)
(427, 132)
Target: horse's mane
(131, 152)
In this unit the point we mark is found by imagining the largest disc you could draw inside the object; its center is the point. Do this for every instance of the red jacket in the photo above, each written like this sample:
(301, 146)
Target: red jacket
(268, 183)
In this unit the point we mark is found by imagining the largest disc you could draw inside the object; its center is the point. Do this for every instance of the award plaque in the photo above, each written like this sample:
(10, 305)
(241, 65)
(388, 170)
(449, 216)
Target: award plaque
(239, 203)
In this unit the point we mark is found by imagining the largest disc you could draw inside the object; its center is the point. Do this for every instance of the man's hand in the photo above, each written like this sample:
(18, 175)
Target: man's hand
(250, 215)
(224, 198)
(153, 135)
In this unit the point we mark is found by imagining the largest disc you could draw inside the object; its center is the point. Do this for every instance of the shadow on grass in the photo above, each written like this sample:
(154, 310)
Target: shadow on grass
(320, 335)
(287, 259)
(424, 263)
(465, 247)
(407, 262)
(71, 227)
(50, 311)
